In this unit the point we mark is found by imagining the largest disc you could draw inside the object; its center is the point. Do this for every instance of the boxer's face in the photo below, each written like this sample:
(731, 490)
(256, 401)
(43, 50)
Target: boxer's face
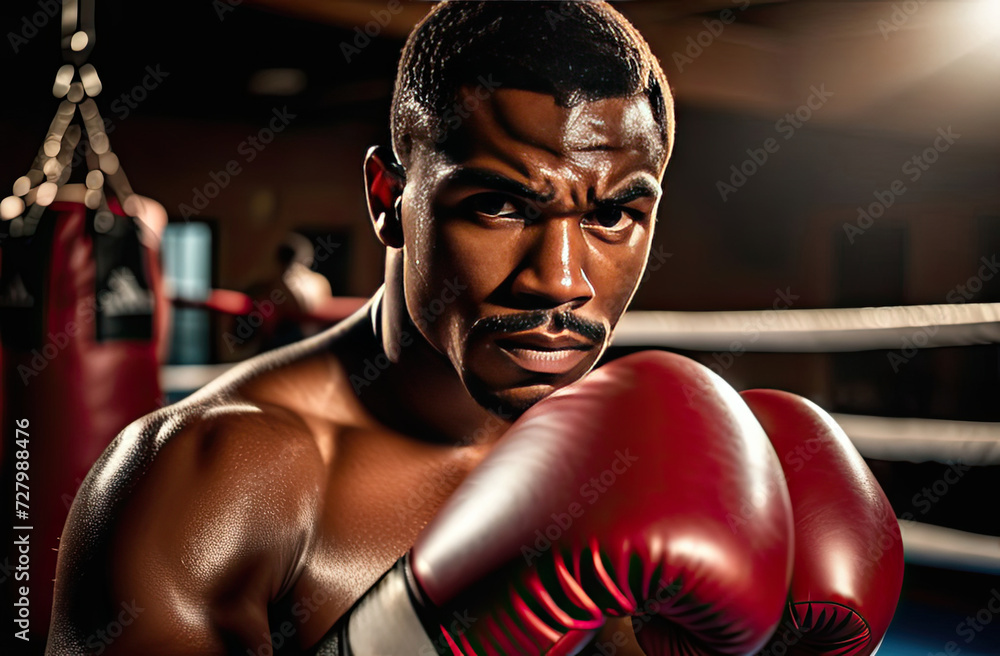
(526, 241)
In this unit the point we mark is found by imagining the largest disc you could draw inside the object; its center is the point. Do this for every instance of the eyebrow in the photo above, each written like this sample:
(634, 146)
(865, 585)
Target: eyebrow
(473, 177)
(636, 190)
(476, 177)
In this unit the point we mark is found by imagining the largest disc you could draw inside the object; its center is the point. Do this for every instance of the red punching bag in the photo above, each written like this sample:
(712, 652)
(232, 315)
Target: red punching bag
(79, 364)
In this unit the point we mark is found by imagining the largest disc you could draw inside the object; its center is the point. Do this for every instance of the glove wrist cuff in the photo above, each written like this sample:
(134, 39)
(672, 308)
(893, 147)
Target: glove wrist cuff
(387, 620)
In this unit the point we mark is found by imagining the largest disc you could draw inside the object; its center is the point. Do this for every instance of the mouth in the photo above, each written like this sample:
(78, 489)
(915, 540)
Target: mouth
(543, 353)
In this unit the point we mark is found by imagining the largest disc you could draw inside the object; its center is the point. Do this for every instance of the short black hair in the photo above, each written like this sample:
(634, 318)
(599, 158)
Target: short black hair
(574, 51)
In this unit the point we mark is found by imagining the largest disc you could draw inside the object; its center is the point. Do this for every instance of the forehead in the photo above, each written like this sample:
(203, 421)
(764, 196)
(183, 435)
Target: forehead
(531, 134)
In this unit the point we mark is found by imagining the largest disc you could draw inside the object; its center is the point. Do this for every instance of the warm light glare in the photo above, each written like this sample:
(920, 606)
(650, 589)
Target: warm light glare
(984, 16)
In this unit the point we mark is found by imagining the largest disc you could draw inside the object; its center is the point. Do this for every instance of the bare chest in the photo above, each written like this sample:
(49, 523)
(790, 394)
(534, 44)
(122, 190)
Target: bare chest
(382, 491)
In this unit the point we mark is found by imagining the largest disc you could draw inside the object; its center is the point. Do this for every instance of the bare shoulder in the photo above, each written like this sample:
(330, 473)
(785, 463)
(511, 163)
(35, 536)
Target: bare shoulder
(231, 436)
(199, 513)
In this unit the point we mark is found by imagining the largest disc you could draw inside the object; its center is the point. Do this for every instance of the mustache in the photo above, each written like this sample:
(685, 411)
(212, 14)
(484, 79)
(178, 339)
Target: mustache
(524, 321)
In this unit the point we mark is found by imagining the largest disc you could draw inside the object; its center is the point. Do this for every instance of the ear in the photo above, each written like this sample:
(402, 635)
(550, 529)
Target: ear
(384, 182)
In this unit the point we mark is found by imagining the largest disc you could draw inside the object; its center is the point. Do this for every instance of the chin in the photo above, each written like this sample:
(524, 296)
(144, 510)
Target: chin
(513, 402)
(507, 390)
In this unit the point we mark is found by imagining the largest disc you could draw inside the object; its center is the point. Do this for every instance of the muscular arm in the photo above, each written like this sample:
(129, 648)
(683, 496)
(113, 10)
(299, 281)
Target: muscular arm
(186, 529)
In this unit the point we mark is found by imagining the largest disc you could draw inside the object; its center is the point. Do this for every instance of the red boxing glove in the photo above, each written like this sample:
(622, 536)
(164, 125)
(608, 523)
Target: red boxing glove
(612, 497)
(848, 549)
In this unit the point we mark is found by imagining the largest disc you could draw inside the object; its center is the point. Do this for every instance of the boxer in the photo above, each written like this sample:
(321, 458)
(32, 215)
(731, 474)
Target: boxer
(517, 206)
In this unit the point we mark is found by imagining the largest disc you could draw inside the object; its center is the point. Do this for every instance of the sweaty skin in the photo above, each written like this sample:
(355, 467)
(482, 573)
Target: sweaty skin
(261, 508)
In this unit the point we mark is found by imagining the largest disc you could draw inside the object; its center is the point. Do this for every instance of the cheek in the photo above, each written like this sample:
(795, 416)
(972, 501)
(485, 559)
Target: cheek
(616, 271)
(482, 258)
(451, 275)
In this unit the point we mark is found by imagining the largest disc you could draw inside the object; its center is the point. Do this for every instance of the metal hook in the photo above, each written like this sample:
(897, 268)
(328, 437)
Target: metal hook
(78, 34)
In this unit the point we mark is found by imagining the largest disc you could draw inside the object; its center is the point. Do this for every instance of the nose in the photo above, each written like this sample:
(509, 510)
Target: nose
(552, 273)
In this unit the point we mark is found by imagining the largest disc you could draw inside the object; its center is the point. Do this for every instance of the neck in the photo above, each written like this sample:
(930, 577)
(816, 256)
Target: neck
(409, 386)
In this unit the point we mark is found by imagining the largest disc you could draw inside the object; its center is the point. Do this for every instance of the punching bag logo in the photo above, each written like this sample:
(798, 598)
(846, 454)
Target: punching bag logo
(121, 289)
(15, 294)
(125, 296)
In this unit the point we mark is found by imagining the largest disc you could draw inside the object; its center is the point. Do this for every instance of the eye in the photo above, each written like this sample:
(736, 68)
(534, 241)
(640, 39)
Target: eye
(611, 218)
(493, 205)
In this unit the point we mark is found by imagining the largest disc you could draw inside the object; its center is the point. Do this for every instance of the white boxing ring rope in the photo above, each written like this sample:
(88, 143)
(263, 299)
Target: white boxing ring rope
(828, 331)
(815, 331)
(924, 440)
(937, 546)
